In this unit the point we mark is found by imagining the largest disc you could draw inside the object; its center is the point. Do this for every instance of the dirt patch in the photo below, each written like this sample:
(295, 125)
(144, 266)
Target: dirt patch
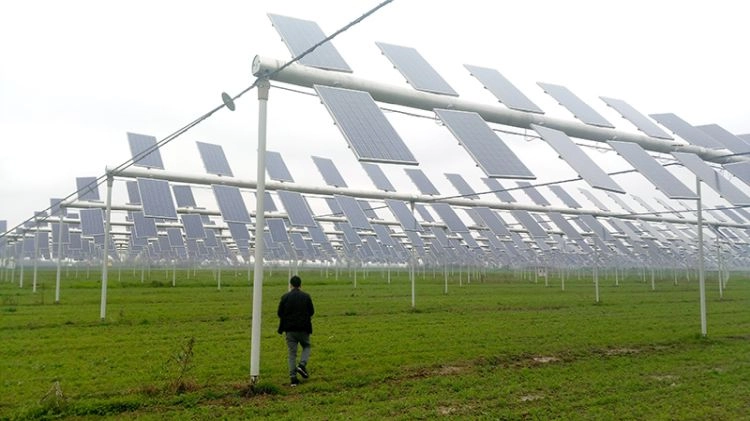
(621, 351)
(544, 359)
(530, 397)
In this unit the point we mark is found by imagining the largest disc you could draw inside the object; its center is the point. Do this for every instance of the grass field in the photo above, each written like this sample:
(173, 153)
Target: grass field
(501, 347)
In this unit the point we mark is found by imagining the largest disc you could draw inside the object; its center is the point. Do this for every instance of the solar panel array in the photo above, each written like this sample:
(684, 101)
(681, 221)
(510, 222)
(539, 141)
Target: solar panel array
(297, 209)
(683, 129)
(378, 177)
(566, 198)
(366, 129)
(463, 188)
(354, 214)
(492, 155)
(416, 69)
(712, 178)
(157, 198)
(276, 168)
(330, 173)
(88, 188)
(231, 204)
(420, 180)
(634, 116)
(533, 193)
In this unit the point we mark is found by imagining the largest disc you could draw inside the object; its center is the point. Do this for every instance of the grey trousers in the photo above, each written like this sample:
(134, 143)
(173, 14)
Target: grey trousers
(292, 340)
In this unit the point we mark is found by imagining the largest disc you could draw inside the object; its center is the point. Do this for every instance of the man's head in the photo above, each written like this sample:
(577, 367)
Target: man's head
(295, 281)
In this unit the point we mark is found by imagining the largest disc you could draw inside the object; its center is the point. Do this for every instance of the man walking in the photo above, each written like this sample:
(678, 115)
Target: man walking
(295, 313)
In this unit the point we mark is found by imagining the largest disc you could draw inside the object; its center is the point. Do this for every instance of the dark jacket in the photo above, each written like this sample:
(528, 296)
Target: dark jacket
(295, 312)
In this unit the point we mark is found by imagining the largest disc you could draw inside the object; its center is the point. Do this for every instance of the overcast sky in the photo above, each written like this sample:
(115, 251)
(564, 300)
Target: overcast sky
(75, 76)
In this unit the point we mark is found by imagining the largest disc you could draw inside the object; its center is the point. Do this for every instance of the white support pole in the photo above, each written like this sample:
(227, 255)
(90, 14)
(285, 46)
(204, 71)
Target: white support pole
(36, 257)
(105, 253)
(59, 256)
(596, 273)
(701, 268)
(260, 223)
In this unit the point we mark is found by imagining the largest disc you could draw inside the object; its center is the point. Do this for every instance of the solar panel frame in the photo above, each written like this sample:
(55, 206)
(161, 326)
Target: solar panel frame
(423, 212)
(686, 131)
(383, 234)
(640, 121)
(726, 138)
(354, 214)
(596, 227)
(299, 35)
(461, 186)
(575, 105)
(231, 204)
(503, 89)
(484, 146)
(420, 180)
(140, 143)
(578, 159)
(157, 198)
(297, 209)
(330, 173)
(450, 217)
(350, 236)
(417, 71)
(712, 178)
(134, 196)
(593, 199)
(214, 159)
(238, 231)
(366, 129)
(144, 227)
(564, 226)
(665, 181)
(174, 235)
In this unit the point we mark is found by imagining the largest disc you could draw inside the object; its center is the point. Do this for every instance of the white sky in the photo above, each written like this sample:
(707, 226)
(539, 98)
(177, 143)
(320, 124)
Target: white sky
(75, 76)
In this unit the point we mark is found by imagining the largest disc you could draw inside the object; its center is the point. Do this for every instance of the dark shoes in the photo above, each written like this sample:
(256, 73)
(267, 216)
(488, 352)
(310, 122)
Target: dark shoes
(294, 381)
(302, 371)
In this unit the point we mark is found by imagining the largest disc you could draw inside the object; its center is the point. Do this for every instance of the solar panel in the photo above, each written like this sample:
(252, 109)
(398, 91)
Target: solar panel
(451, 219)
(533, 193)
(239, 232)
(652, 170)
(210, 240)
(87, 188)
(423, 212)
(487, 149)
(350, 236)
(644, 204)
(415, 239)
(563, 195)
(300, 35)
(728, 212)
(268, 203)
(525, 218)
(297, 209)
(596, 227)
(276, 168)
(317, 235)
(354, 214)
(463, 188)
(416, 69)
(420, 180)
(492, 221)
(403, 215)
(470, 241)
(368, 209)
(620, 202)
(594, 200)
(214, 159)
(712, 178)
(665, 205)
(183, 195)
(364, 126)
(193, 226)
(575, 105)
(92, 222)
(383, 234)
(565, 226)
(378, 177)
(175, 237)
(157, 198)
(231, 204)
(502, 89)
(139, 144)
(683, 129)
(639, 120)
(499, 190)
(330, 173)
(726, 138)
(577, 159)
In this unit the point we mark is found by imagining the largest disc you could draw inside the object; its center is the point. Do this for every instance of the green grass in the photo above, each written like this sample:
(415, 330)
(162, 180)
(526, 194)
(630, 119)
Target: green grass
(501, 348)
